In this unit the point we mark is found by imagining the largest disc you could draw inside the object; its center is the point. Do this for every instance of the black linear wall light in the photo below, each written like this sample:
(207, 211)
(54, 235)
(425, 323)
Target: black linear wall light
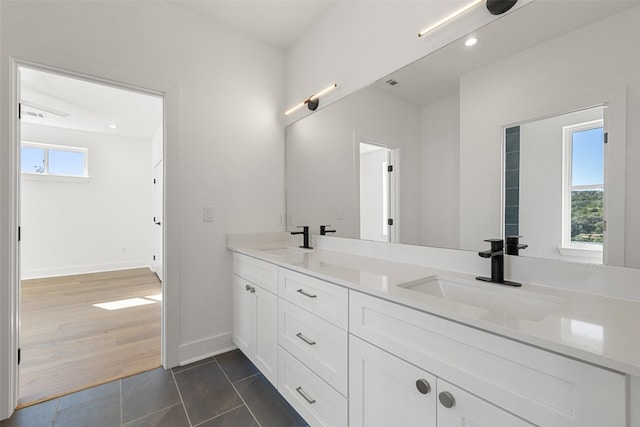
(313, 101)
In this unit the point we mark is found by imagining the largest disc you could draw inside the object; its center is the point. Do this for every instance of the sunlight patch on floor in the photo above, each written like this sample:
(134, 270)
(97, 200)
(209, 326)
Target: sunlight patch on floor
(156, 297)
(124, 303)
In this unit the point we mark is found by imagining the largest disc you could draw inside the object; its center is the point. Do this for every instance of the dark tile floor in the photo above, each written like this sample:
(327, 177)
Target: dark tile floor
(223, 391)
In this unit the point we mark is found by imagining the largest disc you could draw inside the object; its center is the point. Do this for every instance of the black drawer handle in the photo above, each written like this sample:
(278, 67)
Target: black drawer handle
(306, 294)
(305, 339)
(305, 395)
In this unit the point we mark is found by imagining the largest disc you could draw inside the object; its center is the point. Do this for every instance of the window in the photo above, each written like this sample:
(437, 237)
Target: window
(53, 160)
(583, 195)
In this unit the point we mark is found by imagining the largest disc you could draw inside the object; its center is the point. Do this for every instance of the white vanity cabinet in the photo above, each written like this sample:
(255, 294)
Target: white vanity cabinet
(344, 358)
(457, 407)
(532, 384)
(255, 313)
(313, 340)
(386, 391)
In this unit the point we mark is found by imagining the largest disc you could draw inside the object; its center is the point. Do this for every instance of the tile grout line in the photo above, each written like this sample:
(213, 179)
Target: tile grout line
(155, 412)
(219, 415)
(55, 414)
(250, 376)
(195, 365)
(238, 393)
(121, 411)
(184, 407)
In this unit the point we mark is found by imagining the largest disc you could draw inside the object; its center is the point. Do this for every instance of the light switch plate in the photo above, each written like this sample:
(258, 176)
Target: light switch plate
(209, 214)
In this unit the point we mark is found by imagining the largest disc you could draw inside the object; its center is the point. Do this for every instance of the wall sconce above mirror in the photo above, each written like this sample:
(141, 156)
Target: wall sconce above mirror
(495, 7)
(313, 101)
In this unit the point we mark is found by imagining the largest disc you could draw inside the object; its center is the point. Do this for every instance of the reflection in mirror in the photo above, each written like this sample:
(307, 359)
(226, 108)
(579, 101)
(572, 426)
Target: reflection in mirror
(377, 209)
(323, 167)
(446, 114)
(554, 185)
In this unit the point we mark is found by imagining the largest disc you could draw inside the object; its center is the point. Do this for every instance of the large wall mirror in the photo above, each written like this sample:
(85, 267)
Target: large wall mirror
(427, 156)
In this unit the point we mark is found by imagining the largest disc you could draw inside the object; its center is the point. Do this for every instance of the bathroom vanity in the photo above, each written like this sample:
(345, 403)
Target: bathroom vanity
(353, 340)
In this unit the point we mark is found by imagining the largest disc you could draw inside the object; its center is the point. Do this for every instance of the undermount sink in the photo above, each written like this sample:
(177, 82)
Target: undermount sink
(285, 250)
(498, 300)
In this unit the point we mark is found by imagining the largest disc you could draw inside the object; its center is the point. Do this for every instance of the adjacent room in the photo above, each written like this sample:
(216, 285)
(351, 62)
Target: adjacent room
(91, 233)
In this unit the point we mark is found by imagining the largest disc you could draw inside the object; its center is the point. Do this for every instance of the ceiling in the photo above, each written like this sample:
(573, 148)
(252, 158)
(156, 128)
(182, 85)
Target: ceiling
(276, 22)
(437, 76)
(54, 100)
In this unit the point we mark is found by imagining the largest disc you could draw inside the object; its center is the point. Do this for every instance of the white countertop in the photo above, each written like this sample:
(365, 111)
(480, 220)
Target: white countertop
(600, 330)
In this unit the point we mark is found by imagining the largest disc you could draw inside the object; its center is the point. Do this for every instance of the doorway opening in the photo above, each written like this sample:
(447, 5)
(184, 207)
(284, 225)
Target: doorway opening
(378, 198)
(91, 233)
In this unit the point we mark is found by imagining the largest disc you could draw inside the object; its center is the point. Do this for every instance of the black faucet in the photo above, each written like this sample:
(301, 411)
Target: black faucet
(324, 231)
(305, 235)
(496, 253)
(513, 245)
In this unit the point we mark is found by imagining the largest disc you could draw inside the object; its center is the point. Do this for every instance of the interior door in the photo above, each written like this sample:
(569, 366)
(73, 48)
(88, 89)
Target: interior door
(375, 192)
(158, 219)
(18, 273)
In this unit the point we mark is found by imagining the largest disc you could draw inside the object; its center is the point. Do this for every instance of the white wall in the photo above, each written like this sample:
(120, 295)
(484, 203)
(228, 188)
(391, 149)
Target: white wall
(224, 138)
(553, 73)
(323, 155)
(358, 42)
(440, 171)
(84, 227)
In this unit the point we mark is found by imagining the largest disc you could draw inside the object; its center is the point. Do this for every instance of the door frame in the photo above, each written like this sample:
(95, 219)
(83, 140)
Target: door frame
(10, 306)
(394, 184)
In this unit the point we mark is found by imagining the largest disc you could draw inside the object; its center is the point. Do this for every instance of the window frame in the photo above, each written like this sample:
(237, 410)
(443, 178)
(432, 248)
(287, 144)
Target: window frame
(570, 247)
(46, 176)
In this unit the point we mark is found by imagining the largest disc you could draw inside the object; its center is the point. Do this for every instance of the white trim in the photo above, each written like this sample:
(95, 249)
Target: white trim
(9, 291)
(83, 269)
(206, 347)
(206, 356)
(583, 251)
(45, 177)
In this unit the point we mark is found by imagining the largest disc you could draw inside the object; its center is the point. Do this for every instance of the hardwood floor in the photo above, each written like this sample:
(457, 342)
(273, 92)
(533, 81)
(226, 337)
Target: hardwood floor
(69, 345)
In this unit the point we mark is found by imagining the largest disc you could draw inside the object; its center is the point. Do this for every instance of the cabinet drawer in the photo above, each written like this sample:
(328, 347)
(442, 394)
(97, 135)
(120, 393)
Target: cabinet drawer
(324, 299)
(317, 402)
(537, 385)
(256, 271)
(318, 344)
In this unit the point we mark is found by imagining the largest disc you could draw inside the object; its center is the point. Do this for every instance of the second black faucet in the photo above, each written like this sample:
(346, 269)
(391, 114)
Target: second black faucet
(496, 254)
(305, 236)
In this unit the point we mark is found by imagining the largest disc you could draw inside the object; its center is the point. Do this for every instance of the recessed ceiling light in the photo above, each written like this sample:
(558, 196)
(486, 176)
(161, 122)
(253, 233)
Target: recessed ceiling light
(113, 126)
(470, 41)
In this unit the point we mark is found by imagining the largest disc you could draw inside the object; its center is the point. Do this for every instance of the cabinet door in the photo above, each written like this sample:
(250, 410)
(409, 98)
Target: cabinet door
(387, 391)
(243, 315)
(266, 333)
(457, 408)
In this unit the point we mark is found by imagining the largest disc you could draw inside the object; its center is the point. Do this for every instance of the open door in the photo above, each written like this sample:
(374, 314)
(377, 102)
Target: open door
(377, 193)
(10, 296)
(158, 220)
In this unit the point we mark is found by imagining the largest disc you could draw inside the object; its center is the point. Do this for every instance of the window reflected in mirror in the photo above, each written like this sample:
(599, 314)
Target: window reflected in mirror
(554, 185)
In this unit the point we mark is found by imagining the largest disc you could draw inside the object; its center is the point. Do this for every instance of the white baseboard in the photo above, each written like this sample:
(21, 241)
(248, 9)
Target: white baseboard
(201, 349)
(80, 269)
